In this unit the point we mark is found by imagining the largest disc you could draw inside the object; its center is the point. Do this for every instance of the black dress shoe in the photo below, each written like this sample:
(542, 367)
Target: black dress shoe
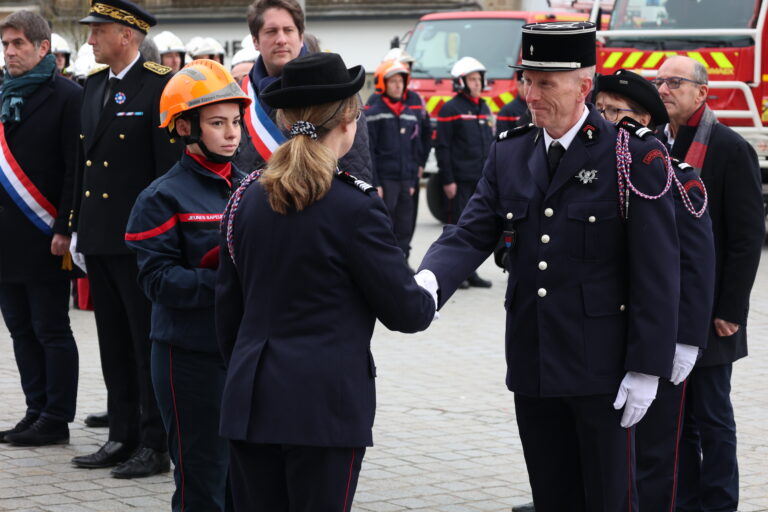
(144, 462)
(478, 282)
(97, 420)
(43, 432)
(111, 454)
(464, 285)
(21, 426)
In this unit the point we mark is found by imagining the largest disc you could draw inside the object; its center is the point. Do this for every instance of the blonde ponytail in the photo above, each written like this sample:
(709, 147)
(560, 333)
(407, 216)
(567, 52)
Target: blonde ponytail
(301, 170)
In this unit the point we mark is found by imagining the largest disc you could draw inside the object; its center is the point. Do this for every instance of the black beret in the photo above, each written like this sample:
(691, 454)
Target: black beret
(636, 88)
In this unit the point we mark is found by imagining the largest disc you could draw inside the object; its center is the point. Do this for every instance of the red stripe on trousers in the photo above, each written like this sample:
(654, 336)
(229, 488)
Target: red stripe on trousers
(629, 469)
(349, 480)
(677, 446)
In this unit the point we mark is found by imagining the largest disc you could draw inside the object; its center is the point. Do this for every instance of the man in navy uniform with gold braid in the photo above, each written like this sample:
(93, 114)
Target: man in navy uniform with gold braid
(123, 151)
(594, 276)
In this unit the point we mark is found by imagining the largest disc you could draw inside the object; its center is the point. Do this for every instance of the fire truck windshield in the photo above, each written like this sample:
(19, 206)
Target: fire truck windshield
(683, 14)
(438, 44)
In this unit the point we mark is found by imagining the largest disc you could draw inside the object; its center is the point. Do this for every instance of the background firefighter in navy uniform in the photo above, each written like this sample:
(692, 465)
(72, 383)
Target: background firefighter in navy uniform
(627, 94)
(394, 133)
(41, 134)
(464, 136)
(515, 113)
(591, 297)
(296, 308)
(173, 228)
(123, 151)
(708, 470)
(418, 107)
(277, 28)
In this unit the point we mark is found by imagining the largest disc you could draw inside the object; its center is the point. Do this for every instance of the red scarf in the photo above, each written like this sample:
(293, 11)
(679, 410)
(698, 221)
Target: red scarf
(471, 98)
(396, 107)
(224, 170)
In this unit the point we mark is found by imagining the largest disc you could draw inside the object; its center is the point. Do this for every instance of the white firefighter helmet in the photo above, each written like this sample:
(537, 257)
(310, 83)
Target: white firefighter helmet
(218, 49)
(198, 46)
(84, 63)
(168, 42)
(244, 55)
(59, 44)
(399, 55)
(462, 68)
(247, 43)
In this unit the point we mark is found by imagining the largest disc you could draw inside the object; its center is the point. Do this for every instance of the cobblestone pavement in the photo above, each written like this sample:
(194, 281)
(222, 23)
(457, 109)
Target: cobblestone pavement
(445, 433)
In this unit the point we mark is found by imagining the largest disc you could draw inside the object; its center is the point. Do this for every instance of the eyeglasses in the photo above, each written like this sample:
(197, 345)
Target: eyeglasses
(673, 82)
(612, 113)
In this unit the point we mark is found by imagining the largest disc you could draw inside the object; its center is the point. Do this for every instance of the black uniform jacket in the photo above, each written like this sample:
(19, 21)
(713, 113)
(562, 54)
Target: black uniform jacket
(173, 228)
(589, 295)
(295, 317)
(464, 136)
(732, 176)
(123, 150)
(44, 143)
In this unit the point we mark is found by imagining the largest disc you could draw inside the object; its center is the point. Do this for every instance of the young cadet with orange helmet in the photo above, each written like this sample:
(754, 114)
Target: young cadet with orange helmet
(394, 135)
(173, 229)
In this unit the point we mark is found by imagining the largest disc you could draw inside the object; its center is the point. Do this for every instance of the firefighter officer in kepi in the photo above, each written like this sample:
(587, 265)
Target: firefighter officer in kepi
(123, 150)
(593, 264)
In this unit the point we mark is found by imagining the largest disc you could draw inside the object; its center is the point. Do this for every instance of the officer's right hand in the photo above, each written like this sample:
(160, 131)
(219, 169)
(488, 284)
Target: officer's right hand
(636, 393)
(682, 364)
(427, 280)
(77, 257)
(450, 190)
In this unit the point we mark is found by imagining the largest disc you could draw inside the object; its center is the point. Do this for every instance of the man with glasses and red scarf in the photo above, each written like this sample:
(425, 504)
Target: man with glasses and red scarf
(728, 166)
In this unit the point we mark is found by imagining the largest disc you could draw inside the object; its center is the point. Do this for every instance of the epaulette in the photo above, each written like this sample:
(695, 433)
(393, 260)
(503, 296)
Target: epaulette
(363, 186)
(514, 132)
(681, 165)
(634, 127)
(97, 69)
(157, 68)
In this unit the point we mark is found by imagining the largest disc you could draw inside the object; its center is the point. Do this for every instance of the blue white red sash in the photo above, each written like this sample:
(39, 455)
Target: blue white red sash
(265, 134)
(23, 192)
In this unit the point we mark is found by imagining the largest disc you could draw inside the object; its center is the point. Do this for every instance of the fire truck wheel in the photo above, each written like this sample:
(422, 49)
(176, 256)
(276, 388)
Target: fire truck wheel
(436, 199)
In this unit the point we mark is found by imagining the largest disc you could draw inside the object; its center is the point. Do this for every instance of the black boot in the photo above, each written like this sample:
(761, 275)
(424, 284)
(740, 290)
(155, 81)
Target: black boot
(21, 426)
(43, 432)
(97, 420)
(478, 282)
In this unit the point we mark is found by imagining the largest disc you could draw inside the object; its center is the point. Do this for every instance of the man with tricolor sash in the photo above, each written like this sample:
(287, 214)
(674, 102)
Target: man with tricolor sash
(277, 28)
(39, 123)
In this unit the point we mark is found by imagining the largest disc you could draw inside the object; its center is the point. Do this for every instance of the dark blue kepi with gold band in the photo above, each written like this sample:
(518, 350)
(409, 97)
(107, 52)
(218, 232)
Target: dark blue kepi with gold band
(120, 11)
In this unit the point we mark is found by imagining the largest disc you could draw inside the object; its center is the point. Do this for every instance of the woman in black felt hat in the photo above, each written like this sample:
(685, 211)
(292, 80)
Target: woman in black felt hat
(309, 262)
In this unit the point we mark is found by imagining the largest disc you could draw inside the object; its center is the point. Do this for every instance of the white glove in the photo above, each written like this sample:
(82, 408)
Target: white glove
(685, 358)
(427, 280)
(636, 393)
(77, 257)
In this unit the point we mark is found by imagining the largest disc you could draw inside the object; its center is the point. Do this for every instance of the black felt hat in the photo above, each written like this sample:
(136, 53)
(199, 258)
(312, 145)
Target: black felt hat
(558, 46)
(312, 80)
(636, 88)
(120, 11)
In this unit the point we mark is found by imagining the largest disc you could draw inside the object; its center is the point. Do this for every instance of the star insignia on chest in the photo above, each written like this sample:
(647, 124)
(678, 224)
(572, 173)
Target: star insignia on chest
(586, 177)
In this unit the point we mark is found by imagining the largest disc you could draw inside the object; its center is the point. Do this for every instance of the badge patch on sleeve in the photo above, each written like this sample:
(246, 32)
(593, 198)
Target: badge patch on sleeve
(654, 153)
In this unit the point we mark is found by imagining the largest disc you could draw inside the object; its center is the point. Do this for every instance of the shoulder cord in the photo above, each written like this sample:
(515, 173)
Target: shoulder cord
(231, 210)
(623, 163)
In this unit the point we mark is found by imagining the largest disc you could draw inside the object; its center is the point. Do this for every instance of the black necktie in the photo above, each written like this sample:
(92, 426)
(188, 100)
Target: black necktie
(108, 90)
(555, 153)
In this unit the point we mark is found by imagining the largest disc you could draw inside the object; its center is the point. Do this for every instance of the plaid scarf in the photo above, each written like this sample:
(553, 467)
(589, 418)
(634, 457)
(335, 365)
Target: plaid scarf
(704, 120)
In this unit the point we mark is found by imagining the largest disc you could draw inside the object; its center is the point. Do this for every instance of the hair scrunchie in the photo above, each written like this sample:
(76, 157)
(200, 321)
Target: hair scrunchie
(303, 128)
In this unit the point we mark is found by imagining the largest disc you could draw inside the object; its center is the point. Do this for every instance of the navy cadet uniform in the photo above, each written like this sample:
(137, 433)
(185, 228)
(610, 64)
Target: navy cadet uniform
(297, 298)
(418, 107)
(590, 295)
(394, 134)
(123, 150)
(34, 289)
(174, 230)
(464, 135)
(657, 435)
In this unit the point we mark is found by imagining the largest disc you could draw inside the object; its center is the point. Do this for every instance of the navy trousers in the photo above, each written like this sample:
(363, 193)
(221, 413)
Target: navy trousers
(188, 386)
(656, 443)
(399, 204)
(709, 473)
(287, 478)
(122, 314)
(578, 457)
(37, 317)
